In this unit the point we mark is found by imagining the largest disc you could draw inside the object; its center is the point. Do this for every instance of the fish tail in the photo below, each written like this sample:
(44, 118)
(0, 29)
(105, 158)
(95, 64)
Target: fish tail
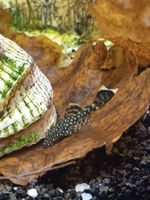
(102, 97)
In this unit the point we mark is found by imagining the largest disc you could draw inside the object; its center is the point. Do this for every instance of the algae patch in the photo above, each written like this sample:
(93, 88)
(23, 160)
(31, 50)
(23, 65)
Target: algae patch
(23, 141)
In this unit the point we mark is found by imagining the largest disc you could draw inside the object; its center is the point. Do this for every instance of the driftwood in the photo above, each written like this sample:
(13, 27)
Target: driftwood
(123, 18)
(79, 83)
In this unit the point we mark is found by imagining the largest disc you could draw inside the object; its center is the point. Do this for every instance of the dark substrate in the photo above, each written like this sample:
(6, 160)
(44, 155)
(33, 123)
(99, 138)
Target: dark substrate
(124, 175)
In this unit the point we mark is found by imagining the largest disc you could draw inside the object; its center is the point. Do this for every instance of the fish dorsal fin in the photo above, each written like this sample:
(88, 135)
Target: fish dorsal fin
(73, 109)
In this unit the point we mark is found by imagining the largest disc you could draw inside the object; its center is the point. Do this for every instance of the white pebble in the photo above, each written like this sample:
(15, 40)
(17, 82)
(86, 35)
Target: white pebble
(32, 193)
(81, 187)
(86, 196)
(60, 190)
(15, 188)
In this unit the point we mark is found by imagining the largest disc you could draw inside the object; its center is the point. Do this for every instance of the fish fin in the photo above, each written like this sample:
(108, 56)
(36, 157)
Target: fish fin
(73, 109)
(104, 95)
(103, 87)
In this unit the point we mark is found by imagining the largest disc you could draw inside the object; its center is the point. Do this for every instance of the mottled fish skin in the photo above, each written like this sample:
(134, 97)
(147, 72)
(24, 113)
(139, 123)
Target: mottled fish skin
(15, 65)
(76, 117)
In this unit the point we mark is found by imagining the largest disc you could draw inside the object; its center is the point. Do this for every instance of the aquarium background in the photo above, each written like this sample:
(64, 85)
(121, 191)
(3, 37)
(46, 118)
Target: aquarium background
(66, 22)
(63, 15)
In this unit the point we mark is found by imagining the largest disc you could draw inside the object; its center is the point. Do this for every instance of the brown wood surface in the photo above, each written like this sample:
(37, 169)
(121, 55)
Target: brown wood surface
(105, 126)
(79, 83)
(130, 18)
(141, 49)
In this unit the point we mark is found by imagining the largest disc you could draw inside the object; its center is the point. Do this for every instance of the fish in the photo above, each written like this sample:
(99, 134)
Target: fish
(76, 117)
(25, 92)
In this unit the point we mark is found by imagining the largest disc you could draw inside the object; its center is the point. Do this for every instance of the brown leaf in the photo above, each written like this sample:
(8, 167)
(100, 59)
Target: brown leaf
(130, 18)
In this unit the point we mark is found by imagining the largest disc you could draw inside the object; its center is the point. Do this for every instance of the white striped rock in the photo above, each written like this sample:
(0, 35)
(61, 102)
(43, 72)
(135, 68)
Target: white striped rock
(25, 92)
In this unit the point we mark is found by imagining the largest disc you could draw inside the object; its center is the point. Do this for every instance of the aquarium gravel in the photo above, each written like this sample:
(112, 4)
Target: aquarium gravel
(125, 174)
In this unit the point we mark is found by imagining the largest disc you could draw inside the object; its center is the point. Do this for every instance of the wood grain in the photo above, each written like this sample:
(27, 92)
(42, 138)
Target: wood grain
(79, 83)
